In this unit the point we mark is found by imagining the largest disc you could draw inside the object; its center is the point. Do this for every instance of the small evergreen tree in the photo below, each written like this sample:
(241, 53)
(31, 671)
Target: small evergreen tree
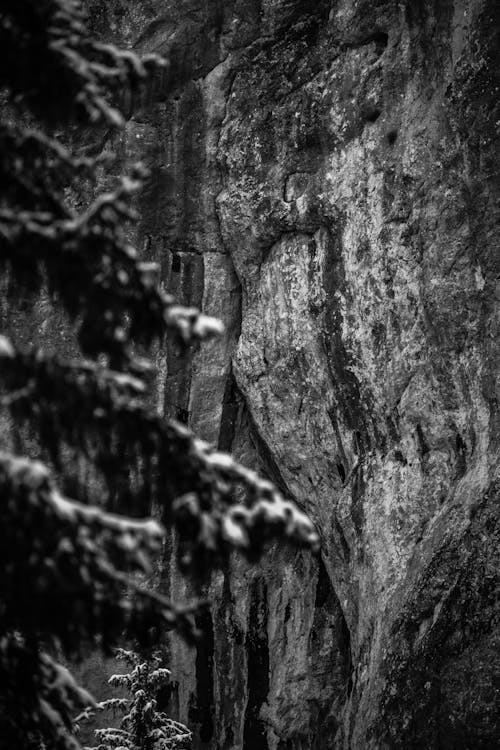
(67, 567)
(142, 727)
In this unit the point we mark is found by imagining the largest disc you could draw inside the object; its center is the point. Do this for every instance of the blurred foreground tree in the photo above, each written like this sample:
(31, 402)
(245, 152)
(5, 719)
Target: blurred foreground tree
(67, 568)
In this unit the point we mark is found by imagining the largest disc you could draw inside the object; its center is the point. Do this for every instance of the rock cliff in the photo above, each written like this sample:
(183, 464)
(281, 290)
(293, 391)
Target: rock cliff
(324, 178)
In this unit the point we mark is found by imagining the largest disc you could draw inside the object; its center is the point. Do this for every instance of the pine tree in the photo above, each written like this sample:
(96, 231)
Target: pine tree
(143, 726)
(68, 567)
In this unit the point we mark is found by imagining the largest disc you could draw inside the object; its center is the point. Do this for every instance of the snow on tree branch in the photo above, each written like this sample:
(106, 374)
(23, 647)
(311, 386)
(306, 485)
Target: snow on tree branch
(73, 72)
(203, 483)
(143, 725)
(64, 566)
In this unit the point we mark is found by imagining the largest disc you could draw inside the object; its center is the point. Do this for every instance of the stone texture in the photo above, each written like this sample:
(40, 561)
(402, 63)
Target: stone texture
(325, 179)
(363, 231)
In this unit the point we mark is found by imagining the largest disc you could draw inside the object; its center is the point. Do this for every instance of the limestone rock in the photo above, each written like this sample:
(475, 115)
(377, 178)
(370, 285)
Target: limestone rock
(325, 178)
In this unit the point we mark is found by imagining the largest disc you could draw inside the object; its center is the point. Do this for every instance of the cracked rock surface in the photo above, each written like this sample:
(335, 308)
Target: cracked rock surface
(325, 179)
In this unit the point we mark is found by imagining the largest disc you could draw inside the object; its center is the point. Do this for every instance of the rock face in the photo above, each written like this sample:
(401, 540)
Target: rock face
(325, 179)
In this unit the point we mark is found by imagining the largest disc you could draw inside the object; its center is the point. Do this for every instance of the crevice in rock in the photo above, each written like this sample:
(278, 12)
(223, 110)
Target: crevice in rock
(345, 642)
(267, 462)
(254, 733)
(330, 649)
(336, 429)
(392, 137)
(343, 541)
(422, 442)
(323, 586)
(176, 263)
(201, 713)
(398, 455)
(357, 497)
(182, 415)
(373, 115)
(231, 407)
(295, 185)
(379, 38)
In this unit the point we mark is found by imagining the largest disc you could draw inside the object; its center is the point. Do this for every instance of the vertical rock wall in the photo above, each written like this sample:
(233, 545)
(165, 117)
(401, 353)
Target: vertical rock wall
(325, 179)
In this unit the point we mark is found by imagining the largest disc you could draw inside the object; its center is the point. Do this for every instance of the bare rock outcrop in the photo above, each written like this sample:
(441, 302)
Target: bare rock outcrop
(325, 179)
